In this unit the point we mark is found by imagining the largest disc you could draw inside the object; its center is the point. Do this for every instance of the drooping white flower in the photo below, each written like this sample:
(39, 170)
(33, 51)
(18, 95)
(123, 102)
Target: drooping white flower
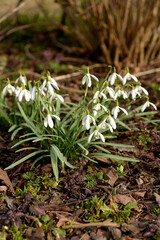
(113, 77)
(17, 91)
(48, 120)
(140, 89)
(134, 93)
(97, 135)
(98, 107)
(116, 110)
(24, 93)
(98, 95)
(119, 93)
(56, 96)
(129, 76)
(8, 89)
(111, 121)
(87, 79)
(147, 104)
(87, 120)
(33, 92)
(103, 125)
(21, 79)
(110, 91)
(48, 84)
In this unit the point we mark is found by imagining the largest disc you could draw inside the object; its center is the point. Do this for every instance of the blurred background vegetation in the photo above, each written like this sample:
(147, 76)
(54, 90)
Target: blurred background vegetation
(125, 32)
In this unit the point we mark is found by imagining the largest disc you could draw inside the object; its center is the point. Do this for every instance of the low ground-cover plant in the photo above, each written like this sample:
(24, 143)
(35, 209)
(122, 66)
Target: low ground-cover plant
(62, 130)
(96, 210)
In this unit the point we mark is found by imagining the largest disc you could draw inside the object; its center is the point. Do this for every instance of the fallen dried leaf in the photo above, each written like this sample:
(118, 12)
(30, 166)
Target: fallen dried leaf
(157, 196)
(140, 194)
(5, 178)
(111, 176)
(123, 199)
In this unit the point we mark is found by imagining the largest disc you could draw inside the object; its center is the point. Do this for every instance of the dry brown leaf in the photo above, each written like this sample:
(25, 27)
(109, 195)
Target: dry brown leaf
(111, 176)
(123, 199)
(140, 194)
(5, 178)
(103, 159)
(157, 196)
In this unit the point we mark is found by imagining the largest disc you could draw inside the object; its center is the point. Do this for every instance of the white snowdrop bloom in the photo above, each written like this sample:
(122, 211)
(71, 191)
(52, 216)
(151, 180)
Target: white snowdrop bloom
(48, 120)
(24, 93)
(119, 93)
(8, 89)
(113, 77)
(87, 120)
(110, 91)
(33, 92)
(17, 91)
(129, 76)
(116, 110)
(147, 104)
(104, 125)
(97, 135)
(48, 84)
(98, 95)
(111, 121)
(56, 96)
(87, 79)
(140, 89)
(21, 79)
(134, 93)
(42, 90)
(98, 107)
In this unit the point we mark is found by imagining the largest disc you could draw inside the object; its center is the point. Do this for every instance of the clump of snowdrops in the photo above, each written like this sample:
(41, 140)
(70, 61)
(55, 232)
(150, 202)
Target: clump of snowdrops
(64, 131)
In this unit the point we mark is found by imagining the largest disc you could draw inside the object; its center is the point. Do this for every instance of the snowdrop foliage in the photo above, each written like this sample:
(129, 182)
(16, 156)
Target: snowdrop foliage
(68, 124)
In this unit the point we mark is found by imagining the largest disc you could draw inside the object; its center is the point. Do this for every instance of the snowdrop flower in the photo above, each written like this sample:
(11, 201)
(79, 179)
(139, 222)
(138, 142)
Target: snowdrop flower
(140, 89)
(42, 90)
(24, 93)
(48, 84)
(116, 110)
(110, 91)
(8, 88)
(147, 104)
(129, 76)
(111, 121)
(97, 135)
(98, 107)
(21, 79)
(17, 91)
(56, 96)
(119, 93)
(48, 120)
(87, 120)
(134, 93)
(98, 95)
(103, 125)
(87, 79)
(113, 77)
(33, 92)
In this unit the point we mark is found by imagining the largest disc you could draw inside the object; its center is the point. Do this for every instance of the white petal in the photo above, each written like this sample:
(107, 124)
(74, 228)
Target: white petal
(89, 83)
(124, 111)
(94, 122)
(90, 136)
(144, 90)
(20, 96)
(112, 78)
(110, 128)
(103, 95)
(27, 95)
(120, 77)
(54, 83)
(46, 122)
(95, 78)
(4, 91)
(105, 109)
(56, 117)
(144, 106)
(60, 97)
(95, 97)
(115, 111)
(50, 122)
(84, 120)
(112, 122)
(124, 95)
(101, 136)
(153, 105)
(111, 92)
(134, 78)
(87, 122)
(50, 89)
(84, 80)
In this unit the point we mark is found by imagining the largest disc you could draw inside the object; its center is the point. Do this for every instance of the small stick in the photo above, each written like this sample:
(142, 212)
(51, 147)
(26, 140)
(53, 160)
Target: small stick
(107, 223)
